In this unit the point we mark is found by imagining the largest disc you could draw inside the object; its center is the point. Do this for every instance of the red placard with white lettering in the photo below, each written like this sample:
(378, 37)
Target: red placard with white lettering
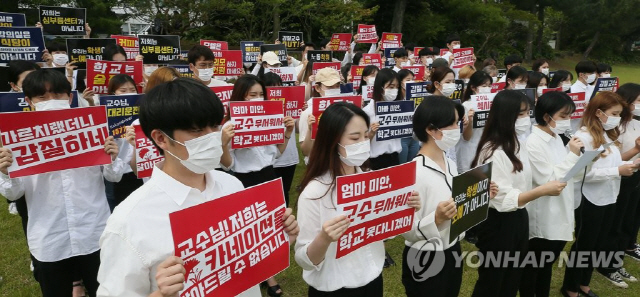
(367, 34)
(581, 103)
(320, 104)
(419, 71)
(215, 45)
(47, 141)
(356, 75)
(416, 54)
(498, 86)
(257, 123)
(232, 243)
(147, 154)
(285, 73)
(227, 63)
(372, 59)
(224, 94)
(547, 90)
(340, 42)
(130, 45)
(443, 51)
(293, 98)
(462, 57)
(320, 65)
(391, 40)
(100, 72)
(376, 204)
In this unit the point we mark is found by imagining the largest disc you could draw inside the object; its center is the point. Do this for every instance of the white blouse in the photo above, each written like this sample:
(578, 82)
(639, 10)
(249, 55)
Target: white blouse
(629, 136)
(252, 159)
(379, 148)
(466, 150)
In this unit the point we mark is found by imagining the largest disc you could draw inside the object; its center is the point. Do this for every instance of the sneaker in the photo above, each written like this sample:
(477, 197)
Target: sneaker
(626, 276)
(388, 261)
(13, 209)
(31, 266)
(633, 254)
(636, 246)
(616, 280)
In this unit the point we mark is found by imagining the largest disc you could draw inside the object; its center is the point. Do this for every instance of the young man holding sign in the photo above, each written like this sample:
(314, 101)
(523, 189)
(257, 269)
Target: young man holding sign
(68, 208)
(182, 118)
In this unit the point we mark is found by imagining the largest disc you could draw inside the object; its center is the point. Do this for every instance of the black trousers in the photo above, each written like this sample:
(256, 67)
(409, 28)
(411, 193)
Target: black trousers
(56, 278)
(122, 189)
(537, 280)
(592, 224)
(501, 232)
(372, 289)
(286, 173)
(631, 220)
(444, 284)
(384, 161)
(256, 177)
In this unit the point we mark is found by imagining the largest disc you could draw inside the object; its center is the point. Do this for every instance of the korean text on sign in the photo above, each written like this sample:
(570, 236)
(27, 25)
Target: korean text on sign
(395, 118)
(340, 42)
(99, 73)
(250, 51)
(367, 33)
(376, 204)
(8, 19)
(285, 73)
(391, 40)
(470, 191)
(320, 104)
(81, 49)
(481, 104)
(462, 57)
(215, 45)
(293, 98)
(147, 154)
(581, 103)
(372, 59)
(21, 43)
(130, 45)
(62, 20)
(416, 92)
(227, 63)
(257, 123)
(46, 141)
(122, 111)
(232, 243)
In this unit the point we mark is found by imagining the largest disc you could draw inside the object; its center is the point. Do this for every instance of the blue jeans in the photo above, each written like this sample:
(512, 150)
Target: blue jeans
(410, 148)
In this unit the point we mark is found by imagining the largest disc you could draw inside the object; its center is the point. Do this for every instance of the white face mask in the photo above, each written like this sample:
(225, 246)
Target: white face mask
(449, 139)
(457, 46)
(429, 61)
(52, 104)
(332, 92)
(636, 111)
(611, 123)
(545, 71)
(407, 63)
(357, 153)
(148, 70)
(566, 87)
(522, 125)
(60, 59)
(591, 78)
(484, 90)
(390, 94)
(606, 75)
(520, 86)
(561, 126)
(448, 89)
(205, 74)
(539, 91)
(204, 152)
(371, 81)
(128, 94)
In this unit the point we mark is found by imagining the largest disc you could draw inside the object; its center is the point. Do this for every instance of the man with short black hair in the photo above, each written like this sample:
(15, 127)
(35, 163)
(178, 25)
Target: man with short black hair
(401, 57)
(586, 72)
(201, 62)
(510, 61)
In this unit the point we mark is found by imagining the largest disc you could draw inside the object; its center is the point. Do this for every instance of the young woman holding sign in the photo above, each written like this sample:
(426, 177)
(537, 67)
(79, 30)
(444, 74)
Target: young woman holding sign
(506, 229)
(410, 146)
(479, 83)
(435, 124)
(340, 148)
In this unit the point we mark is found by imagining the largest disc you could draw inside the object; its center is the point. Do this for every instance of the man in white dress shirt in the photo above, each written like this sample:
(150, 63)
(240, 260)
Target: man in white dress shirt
(182, 118)
(201, 61)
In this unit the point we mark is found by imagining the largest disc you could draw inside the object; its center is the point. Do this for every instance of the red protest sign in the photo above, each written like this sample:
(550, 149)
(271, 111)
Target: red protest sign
(215, 45)
(293, 98)
(356, 75)
(147, 154)
(372, 59)
(498, 86)
(227, 63)
(285, 73)
(320, 104)
(391, 40)
(443, 51)
(320, 65)
(419, 71)
(547, 90)
(416, 54)
(340, 42)
(462, 57)
(367, 93)
(581, 103)
(257, 123)
(232, 243)
(376, 204)
(46, 141)
(100, 72)
(224, 94)
(130, 45)
(367, 34)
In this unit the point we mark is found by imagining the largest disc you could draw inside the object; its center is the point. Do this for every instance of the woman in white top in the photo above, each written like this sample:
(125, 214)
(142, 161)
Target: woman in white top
(479, 83)
(340, 148)
(435, 124)
(383, 153)
(443, 84)
(596, 196)
(550, 218)
(506, 229)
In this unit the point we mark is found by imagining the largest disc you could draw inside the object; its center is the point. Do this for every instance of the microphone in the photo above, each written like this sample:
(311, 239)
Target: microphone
(568, 134)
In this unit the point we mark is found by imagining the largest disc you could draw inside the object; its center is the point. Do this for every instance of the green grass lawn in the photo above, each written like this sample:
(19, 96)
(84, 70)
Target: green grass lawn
(18, 280)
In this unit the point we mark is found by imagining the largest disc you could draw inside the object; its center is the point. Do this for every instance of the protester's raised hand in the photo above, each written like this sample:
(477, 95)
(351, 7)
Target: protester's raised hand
(575, 144)
(334, 228)
(445, 211)
(6, 159)
(170, 277)
(70, 67)
(289, 124)
(111, 147)
(227, 134)
(493, 190)
(130, 135)
(88, 95)
(290, 224)
(87, 28)
(554, 188)
(47, 57)
(311, 120)
(414, 201)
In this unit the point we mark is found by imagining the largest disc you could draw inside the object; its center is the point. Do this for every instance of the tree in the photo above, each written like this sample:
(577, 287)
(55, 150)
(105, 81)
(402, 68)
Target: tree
(398, 16)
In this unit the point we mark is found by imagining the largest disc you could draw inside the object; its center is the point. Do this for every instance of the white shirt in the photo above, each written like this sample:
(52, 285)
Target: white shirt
(602, 182)
(290, 156)
(629, 135)
(218, 83)
(379, 148)
(466, 150)
(432, 184)
(316, 205)
(67, 209)
(550, 217)
(125, 153)
(252, 159)
(138, 237)
(303, 126)
(511, 184)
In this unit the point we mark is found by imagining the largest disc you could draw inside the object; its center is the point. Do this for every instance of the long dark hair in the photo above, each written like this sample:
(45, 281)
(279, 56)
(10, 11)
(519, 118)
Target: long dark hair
(500, 130)
(629, 93)
(324, 156)
(118, 80)
(476, 80)
(366, 72)
(242, 86)
(383, 77)
(438, 75)
(558, 78)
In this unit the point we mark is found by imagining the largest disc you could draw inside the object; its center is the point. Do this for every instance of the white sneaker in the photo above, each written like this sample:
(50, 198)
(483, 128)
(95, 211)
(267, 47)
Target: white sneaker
(13, 209)
(616, 280)
(626, 275)
(31, 266)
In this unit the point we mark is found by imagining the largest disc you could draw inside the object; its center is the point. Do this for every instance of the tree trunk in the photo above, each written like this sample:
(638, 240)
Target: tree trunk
(540, 28)
(276, 22)
(558, 38)
(592, 45)
(398, 16)
(528, 52)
